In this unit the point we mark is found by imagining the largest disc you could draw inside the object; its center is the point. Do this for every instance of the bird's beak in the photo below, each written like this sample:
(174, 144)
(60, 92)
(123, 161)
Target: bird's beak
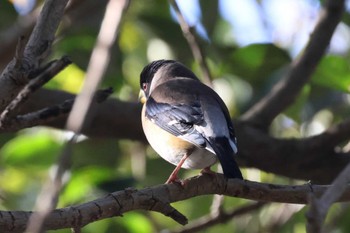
(142, 97)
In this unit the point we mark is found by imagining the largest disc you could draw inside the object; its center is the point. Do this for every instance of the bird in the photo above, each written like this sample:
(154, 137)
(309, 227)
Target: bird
(185, 121)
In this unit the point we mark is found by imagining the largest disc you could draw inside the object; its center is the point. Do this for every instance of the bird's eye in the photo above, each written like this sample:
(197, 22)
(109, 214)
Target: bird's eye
(144, 86)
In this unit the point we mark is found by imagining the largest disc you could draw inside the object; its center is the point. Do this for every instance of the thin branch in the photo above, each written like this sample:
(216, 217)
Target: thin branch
(158, 197)
(285, 91)
(216, 205)
(98, 63)
(210, 220)
(319, 206)
(48, 198)
(196, 49)
(77, 117)
(46, 115)
(51, 70)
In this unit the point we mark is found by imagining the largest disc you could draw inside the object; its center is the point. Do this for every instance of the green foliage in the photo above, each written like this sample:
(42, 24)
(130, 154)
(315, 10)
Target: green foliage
(333, 72)
(257, 61)
(29, 150)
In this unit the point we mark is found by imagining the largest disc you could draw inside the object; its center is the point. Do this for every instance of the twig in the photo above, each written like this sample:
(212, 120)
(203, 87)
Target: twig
(196, 49)
(216, 205)
(209, 220)
(320, 206)
(286, 90)
(48, 198)
(121, 202)
(51, 70)
(48, 114)
(97, 65)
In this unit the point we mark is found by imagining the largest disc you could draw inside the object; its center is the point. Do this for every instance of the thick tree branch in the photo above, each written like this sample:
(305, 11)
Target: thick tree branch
(285, 91)
(157, 198)
(113, 118)
(334, 135)
(307, 159)
(18, 71)
(49, 114)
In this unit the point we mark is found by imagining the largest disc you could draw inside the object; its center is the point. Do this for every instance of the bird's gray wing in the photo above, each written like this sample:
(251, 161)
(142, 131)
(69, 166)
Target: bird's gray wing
(178, 119)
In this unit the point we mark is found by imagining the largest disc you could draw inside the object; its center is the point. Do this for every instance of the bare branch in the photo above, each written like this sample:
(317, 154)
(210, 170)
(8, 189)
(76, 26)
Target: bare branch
(196, 49)
(98, 63)
(157, 198)
(286, 90)
(48, 198)
(210, 220)
(113, 118)
(17, 73)
(334, 135)
(319, 206)
(46, 115)
(50, 71)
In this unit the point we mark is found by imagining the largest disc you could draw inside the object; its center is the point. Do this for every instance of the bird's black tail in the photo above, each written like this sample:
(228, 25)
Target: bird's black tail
(225, 153)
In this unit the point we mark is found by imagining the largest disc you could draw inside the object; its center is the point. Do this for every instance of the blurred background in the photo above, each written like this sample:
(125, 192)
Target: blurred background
(248, 45)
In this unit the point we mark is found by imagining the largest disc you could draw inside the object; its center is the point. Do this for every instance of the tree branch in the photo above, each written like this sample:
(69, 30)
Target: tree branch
(157, 198)
(285, 91)
(17, 72)
(49, 72)
(113, 118)
(319, 206)
(307, 159)
(192, 41)
(97, 66)
(334, 135)
(210, 220)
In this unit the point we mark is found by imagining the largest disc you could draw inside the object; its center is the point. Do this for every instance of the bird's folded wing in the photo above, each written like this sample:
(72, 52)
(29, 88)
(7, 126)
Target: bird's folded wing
(178, 119)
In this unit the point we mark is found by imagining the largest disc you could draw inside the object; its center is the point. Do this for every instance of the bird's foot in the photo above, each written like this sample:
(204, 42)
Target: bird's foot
(172, 179)
(176, 180)
(208, 171)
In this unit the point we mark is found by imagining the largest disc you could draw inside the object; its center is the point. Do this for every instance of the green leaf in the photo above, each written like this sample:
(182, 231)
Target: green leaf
(257, 61)
(137, 223)
(31, 150)
(333, 72)
(70, 79)
(82, 182)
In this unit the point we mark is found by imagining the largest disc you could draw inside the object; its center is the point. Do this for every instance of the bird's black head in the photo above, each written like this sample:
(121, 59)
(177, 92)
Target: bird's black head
(167, 69)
